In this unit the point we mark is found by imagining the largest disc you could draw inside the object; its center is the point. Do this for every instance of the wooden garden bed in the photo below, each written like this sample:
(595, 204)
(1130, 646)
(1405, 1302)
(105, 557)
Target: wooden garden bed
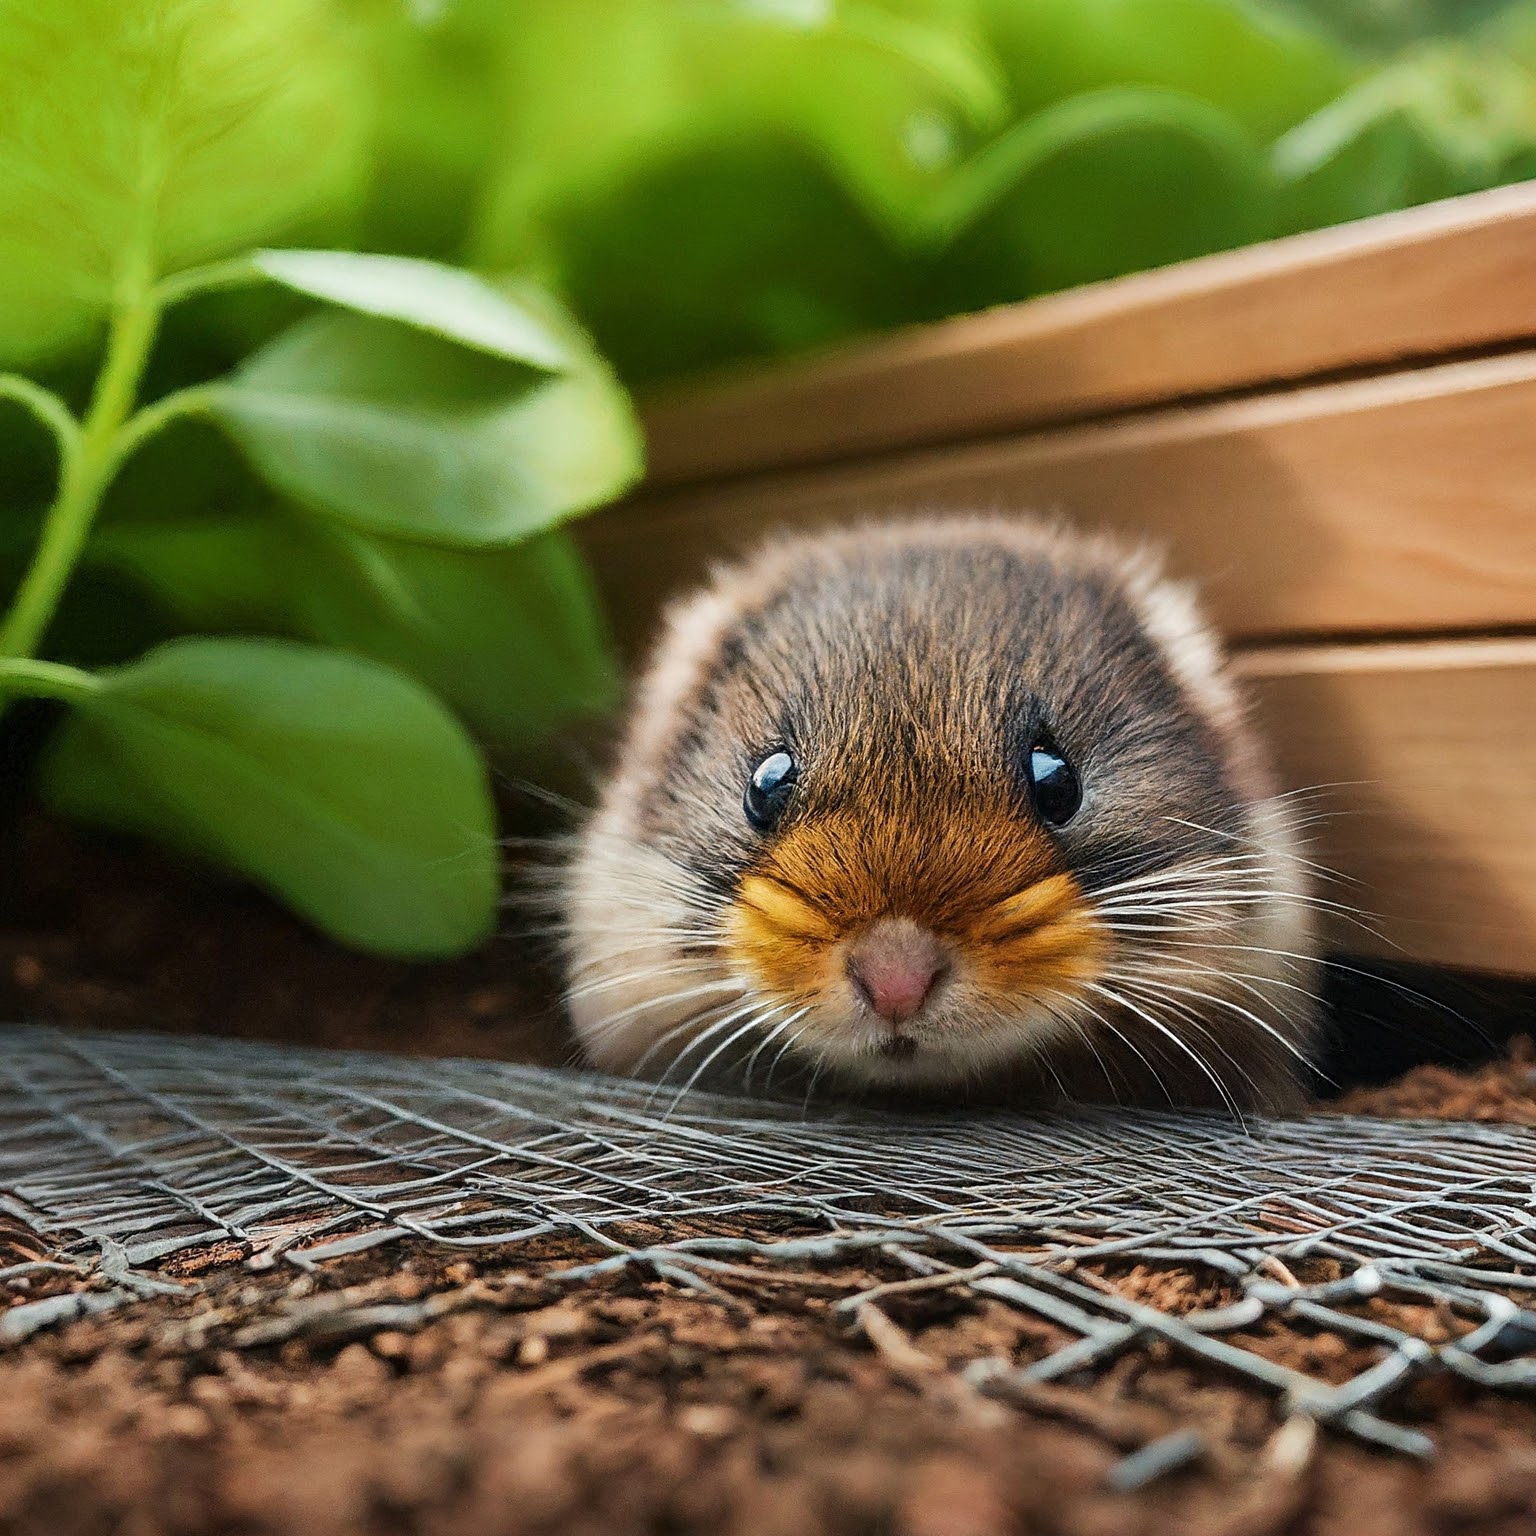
(1335, 433)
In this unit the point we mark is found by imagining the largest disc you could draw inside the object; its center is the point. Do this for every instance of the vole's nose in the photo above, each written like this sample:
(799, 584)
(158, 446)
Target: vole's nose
(894, 966)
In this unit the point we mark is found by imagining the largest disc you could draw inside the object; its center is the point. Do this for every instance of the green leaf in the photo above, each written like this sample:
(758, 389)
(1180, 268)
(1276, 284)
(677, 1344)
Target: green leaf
(341, 785)
(1439, 120)
(512, 638)
(437, 67)
(889, 102)
(1383, 26)
(598, 90)
(140, 136)
(1110, 182)
(1264, 69)
(210, 573)
(436, 414)
(748, 248)
(443, 301)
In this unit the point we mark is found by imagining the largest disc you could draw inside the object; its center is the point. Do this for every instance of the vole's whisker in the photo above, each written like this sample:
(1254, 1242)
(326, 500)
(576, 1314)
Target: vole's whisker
(1044, 1057)
(1216, 1000)
(612, 1021)
(1319, 789)
(1232, 883)
(1166, 989)
(1317, 870)
(1153, 995)
(1178, 1040)
(705, 1036)
(625, 938)
(1125, 1040)
(780, 1054)
(1236, 867)
(1177, 905)
(1181, 873)
(692, 1022)
(1243, 896)
(610, 980)
(641, 898)
(817, 1069)
(1332, 963)
(1206, 890)
(606, 1028)
(1183, 895)
(767, 1040)
(540, 793)
(1251, 982)
(755, 1022)
(1161, 927)
(630, 942)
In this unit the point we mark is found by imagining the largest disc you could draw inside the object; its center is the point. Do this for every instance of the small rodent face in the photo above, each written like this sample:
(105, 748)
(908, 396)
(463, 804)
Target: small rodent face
(942, 807)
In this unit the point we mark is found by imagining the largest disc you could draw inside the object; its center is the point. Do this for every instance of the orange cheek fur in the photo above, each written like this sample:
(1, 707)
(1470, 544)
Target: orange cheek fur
(1019, 924)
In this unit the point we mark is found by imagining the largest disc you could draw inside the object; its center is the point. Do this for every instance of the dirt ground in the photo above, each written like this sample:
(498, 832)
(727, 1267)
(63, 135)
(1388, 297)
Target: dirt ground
(413, 1390)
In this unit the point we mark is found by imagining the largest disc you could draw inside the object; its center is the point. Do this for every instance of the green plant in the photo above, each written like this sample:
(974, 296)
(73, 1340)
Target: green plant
(790, 172)
(284, 525)
(419, 432)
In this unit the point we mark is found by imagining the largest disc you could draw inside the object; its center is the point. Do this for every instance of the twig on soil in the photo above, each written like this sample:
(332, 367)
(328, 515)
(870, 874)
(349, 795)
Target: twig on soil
(356, 1313)
(330, 1325)
(905, 1359)
(1280, 1272)
(920, 1370)
(13, 1272)
(948, 1280)
(1127, 1427)
(1291, 1447)
(30, 1317)
(114, 1265)
(568, 1367)
(1154, 1460)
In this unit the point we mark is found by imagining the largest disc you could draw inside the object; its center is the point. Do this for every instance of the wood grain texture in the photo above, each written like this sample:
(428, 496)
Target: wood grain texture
(1450, 277)
(1430, 752)
(1400, 503)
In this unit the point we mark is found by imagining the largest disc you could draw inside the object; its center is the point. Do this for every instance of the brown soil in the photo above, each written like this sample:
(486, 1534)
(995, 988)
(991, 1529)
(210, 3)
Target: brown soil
(413, 1390)
(1500, 1091)
(104, 934)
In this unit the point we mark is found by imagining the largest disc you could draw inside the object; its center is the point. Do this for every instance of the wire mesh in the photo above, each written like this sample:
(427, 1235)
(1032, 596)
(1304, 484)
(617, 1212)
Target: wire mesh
(124, 1150)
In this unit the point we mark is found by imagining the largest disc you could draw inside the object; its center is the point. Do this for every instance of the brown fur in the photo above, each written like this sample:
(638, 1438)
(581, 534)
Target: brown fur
(909, 667)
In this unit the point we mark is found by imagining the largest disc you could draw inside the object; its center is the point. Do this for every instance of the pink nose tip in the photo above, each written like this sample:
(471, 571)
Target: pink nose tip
(894, 966)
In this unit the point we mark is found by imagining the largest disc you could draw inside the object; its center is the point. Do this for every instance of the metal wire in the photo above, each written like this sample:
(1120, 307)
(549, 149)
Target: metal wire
(124, 1150)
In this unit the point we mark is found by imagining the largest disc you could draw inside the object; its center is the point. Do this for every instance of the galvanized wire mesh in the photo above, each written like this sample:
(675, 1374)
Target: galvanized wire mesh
(125, 1150)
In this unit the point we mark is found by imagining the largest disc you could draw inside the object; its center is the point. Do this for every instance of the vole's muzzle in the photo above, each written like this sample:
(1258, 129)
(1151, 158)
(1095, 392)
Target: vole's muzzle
(885, 915)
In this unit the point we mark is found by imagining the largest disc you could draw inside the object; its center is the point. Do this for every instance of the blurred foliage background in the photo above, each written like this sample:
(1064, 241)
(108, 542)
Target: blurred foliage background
(709, 181)
(304, 508)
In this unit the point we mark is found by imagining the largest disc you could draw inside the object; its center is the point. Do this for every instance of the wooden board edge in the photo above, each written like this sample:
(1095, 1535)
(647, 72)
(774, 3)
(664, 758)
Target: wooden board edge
(1425, 282)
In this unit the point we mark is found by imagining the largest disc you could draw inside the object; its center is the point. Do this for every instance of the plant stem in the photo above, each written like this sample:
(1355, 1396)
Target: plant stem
(45, 679)
(149, 419)
(48, 409)
(237, 272)
(84, 477)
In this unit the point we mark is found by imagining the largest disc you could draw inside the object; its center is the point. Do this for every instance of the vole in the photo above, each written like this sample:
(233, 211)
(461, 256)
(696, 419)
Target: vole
(960, 808)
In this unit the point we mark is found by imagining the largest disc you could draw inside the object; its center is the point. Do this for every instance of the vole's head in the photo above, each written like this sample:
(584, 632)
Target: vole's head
(932, 805)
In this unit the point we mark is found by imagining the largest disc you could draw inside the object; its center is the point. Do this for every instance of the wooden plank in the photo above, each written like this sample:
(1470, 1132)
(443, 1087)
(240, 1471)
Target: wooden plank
(1401, 503)
(1449, 277)
(1431, 749)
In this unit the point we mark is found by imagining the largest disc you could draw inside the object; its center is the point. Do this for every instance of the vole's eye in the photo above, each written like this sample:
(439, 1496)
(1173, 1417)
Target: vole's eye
(1054, 784)
(768, 790)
